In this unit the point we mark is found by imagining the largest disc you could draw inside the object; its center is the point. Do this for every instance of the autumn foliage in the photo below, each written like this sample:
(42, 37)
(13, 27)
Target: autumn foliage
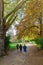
(31, 25)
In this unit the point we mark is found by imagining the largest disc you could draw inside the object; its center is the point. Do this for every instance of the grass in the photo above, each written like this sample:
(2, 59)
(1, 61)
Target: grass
(13, 45)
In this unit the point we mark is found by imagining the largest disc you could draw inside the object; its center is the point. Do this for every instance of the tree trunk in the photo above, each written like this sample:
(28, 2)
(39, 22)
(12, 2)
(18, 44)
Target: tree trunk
(1, 28)
(40, 19)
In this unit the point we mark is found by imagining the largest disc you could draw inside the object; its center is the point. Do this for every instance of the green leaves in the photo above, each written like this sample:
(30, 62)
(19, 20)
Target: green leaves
(10, 15)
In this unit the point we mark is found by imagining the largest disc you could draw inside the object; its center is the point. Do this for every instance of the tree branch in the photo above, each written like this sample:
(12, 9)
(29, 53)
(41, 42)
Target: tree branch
(18, 6)
(10, 19)
(7, 27)
(7, 2)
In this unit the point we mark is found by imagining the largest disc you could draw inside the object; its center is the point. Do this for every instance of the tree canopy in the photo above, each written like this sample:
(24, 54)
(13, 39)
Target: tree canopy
(31, 24)
(10, 11)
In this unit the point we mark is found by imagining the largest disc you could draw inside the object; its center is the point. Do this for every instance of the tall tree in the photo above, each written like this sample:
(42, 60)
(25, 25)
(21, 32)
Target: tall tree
(11, 16)
(1, 27)
(34, 9)
(32, 22)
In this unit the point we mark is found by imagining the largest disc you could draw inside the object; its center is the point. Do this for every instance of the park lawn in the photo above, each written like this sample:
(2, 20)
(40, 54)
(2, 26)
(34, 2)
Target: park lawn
(13, 45)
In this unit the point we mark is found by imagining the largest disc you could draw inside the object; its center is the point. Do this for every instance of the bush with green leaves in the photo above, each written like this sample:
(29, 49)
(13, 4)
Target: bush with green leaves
(7, 41)
(39, 41)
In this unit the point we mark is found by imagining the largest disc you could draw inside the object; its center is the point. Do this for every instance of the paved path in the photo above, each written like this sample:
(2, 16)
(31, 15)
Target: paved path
(32, 57)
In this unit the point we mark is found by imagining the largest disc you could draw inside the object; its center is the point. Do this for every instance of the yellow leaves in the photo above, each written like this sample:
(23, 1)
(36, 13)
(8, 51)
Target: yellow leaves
(34, 7)
(29, 26)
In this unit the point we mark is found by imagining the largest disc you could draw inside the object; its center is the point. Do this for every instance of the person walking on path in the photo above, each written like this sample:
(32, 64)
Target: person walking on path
(25, 48)
(20, 48)
(17, 46)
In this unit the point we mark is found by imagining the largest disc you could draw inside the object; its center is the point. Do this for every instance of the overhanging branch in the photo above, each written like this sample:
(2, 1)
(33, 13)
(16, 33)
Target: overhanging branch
(7, 27)
(18, 6)
(10, 18)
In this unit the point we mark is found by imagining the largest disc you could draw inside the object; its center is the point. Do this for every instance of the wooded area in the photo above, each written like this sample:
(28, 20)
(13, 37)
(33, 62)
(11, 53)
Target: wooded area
(30, 25)
(7, 20)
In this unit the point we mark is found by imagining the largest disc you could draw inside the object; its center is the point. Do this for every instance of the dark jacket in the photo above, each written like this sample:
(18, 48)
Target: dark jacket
(24, 48)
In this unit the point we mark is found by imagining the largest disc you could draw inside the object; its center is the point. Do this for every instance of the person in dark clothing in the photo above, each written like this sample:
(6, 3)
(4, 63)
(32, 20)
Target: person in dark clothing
(20, 48)
(17, 46)
(24, 48)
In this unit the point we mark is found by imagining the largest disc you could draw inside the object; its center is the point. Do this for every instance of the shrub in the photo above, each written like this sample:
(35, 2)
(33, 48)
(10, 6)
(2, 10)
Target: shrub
(39, 41)
(6, 45)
